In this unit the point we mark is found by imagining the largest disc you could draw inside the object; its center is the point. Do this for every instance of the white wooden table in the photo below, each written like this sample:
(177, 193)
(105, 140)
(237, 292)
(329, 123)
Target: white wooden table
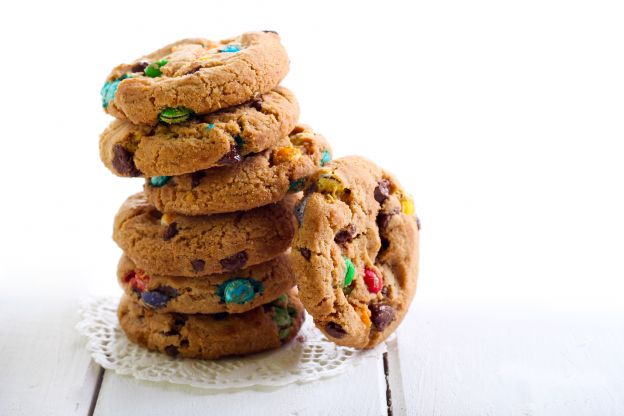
(446, 360)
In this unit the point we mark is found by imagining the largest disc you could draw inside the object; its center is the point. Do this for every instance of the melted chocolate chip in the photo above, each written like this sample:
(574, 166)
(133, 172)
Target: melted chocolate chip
(220, 316)
(196, 178)
(257, 103)
(198, 265)
(418, 223)
(335, 330)
(384, 244)
(171, 350)
(306, 253)
(184, 343)
(171, 231)
(381, 315)
(384, 290)
(139, 66)
(345, 235)
(235, 261)
(382, 191)
(232, 157)
(383, 219)
(155, 214)
(270, 31)
(192, 71)
(123, 162)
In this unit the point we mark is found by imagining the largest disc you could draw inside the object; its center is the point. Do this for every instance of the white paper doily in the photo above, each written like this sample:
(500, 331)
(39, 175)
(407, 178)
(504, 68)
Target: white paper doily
(310, 356)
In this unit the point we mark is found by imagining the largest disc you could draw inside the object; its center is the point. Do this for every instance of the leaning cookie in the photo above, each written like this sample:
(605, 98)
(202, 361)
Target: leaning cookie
(201, 142)
(213, 336)
(234, 292)
(177, 245)
(355, 252)
(195, 76)
(250, 182)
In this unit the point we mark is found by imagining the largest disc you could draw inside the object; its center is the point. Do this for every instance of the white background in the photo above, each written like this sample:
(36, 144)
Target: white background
(504, 119)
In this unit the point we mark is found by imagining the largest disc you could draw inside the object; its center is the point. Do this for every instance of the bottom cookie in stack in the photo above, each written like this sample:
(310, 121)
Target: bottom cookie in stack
(211, 336)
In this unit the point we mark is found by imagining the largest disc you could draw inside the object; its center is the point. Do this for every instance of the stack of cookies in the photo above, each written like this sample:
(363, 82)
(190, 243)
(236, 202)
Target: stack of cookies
(206, 268)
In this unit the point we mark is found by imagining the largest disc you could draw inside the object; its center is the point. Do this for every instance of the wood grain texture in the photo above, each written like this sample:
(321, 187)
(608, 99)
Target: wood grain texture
(509, 361)
(44, 366)
(359, 392)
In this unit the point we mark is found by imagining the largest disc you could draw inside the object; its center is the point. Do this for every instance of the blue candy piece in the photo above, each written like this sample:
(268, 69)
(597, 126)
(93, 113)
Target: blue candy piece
(159, 181)
(230, 48)
(210, 126)
(155, 299)
(300, 208)
(108, 90)
(239, 290)
(298, 185)
(325, 158)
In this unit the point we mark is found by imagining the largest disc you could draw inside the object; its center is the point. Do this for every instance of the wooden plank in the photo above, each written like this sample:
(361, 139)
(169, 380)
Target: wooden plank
(45, 368)
(360, 391)
(505, 360)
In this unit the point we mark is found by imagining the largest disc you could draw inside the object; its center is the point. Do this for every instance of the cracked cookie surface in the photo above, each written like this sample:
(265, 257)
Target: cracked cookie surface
(255, 180)
(211, 336)
(234, 292)
(200, 142)
(355, 251)
(195, 76)
(177, 245)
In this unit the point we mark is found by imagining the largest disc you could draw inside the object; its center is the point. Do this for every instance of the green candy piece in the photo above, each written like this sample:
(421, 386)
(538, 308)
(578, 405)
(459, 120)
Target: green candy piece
(175, 115)
(153, 69)
(158, 181)
(281, 317)
(283, 299)
(350, 272)
(283, 333)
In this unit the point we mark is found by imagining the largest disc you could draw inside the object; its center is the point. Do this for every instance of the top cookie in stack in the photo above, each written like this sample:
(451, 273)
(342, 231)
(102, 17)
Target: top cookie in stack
(205, 245)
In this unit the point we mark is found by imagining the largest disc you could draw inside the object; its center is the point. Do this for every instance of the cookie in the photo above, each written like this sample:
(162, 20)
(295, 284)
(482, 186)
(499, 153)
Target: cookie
(234, 292)
(177, 245)
(255, 180)
(213, 336)
(195, 76)
(355, 251)
(201, 142)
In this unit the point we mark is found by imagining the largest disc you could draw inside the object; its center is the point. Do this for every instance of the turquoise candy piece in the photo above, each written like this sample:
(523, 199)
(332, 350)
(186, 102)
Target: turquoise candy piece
(230, 48)
(239, 141)
(325, 158)
(239, 290)
(296, 186)
(158, 181)
(209, 126)
(108, 90)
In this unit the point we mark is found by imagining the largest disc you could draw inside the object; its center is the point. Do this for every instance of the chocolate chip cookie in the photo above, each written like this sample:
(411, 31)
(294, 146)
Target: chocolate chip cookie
(248, 182)
(213, 336)
(201, 142)
(195, 76)
(355, 251)
(234, 292)
(177, 245)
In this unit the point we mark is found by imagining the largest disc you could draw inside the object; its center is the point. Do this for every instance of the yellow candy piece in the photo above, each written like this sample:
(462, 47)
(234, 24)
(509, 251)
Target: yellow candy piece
(167, 219)
(304, 140)
(189, 197)
(286, 154)
(407, 205)
(329, 184)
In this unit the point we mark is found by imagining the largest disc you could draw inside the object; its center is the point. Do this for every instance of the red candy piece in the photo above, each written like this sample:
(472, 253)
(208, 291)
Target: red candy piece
(137, 280)
(374, 282)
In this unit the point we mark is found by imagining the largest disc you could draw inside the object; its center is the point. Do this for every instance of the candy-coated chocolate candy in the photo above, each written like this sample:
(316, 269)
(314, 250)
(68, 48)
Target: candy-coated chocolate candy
(160, 297)
(349, 272)
(407, 205)
(239, 290)
(374, 282)
(108, 90)
(153, 69)
(230, 48)
(325, 158)
(286, 154)
(330, 185)
(172, 115)
(281, 317)
(158, 181)
(296, 186)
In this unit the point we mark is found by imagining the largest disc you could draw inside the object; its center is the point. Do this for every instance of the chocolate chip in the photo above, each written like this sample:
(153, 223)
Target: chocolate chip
(345, 235)
(235, 261)
(170, 231)
(270, 31)
(384, 244)
(335, 330)
(139, 66)
(384, 290)
(155, 299)
(192, 71)
(381, 315)
(383, 219)
(196, 178)
(418, 223)
(382, 191)
(232, 157)
(155, 214)
(257, 103)
(198, 265)
(178, 321)
(123, 162)
(168, 291)
(220, 316)
(306, 253)
(184, 343)
(171, 350)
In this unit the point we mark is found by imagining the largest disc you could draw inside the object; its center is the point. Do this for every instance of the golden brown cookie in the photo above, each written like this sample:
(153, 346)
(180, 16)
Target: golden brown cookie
(213, 336)
(203, 141)
(177, 245)
(355, 251)
(195, 76)
(256, 180)
(234, 292)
